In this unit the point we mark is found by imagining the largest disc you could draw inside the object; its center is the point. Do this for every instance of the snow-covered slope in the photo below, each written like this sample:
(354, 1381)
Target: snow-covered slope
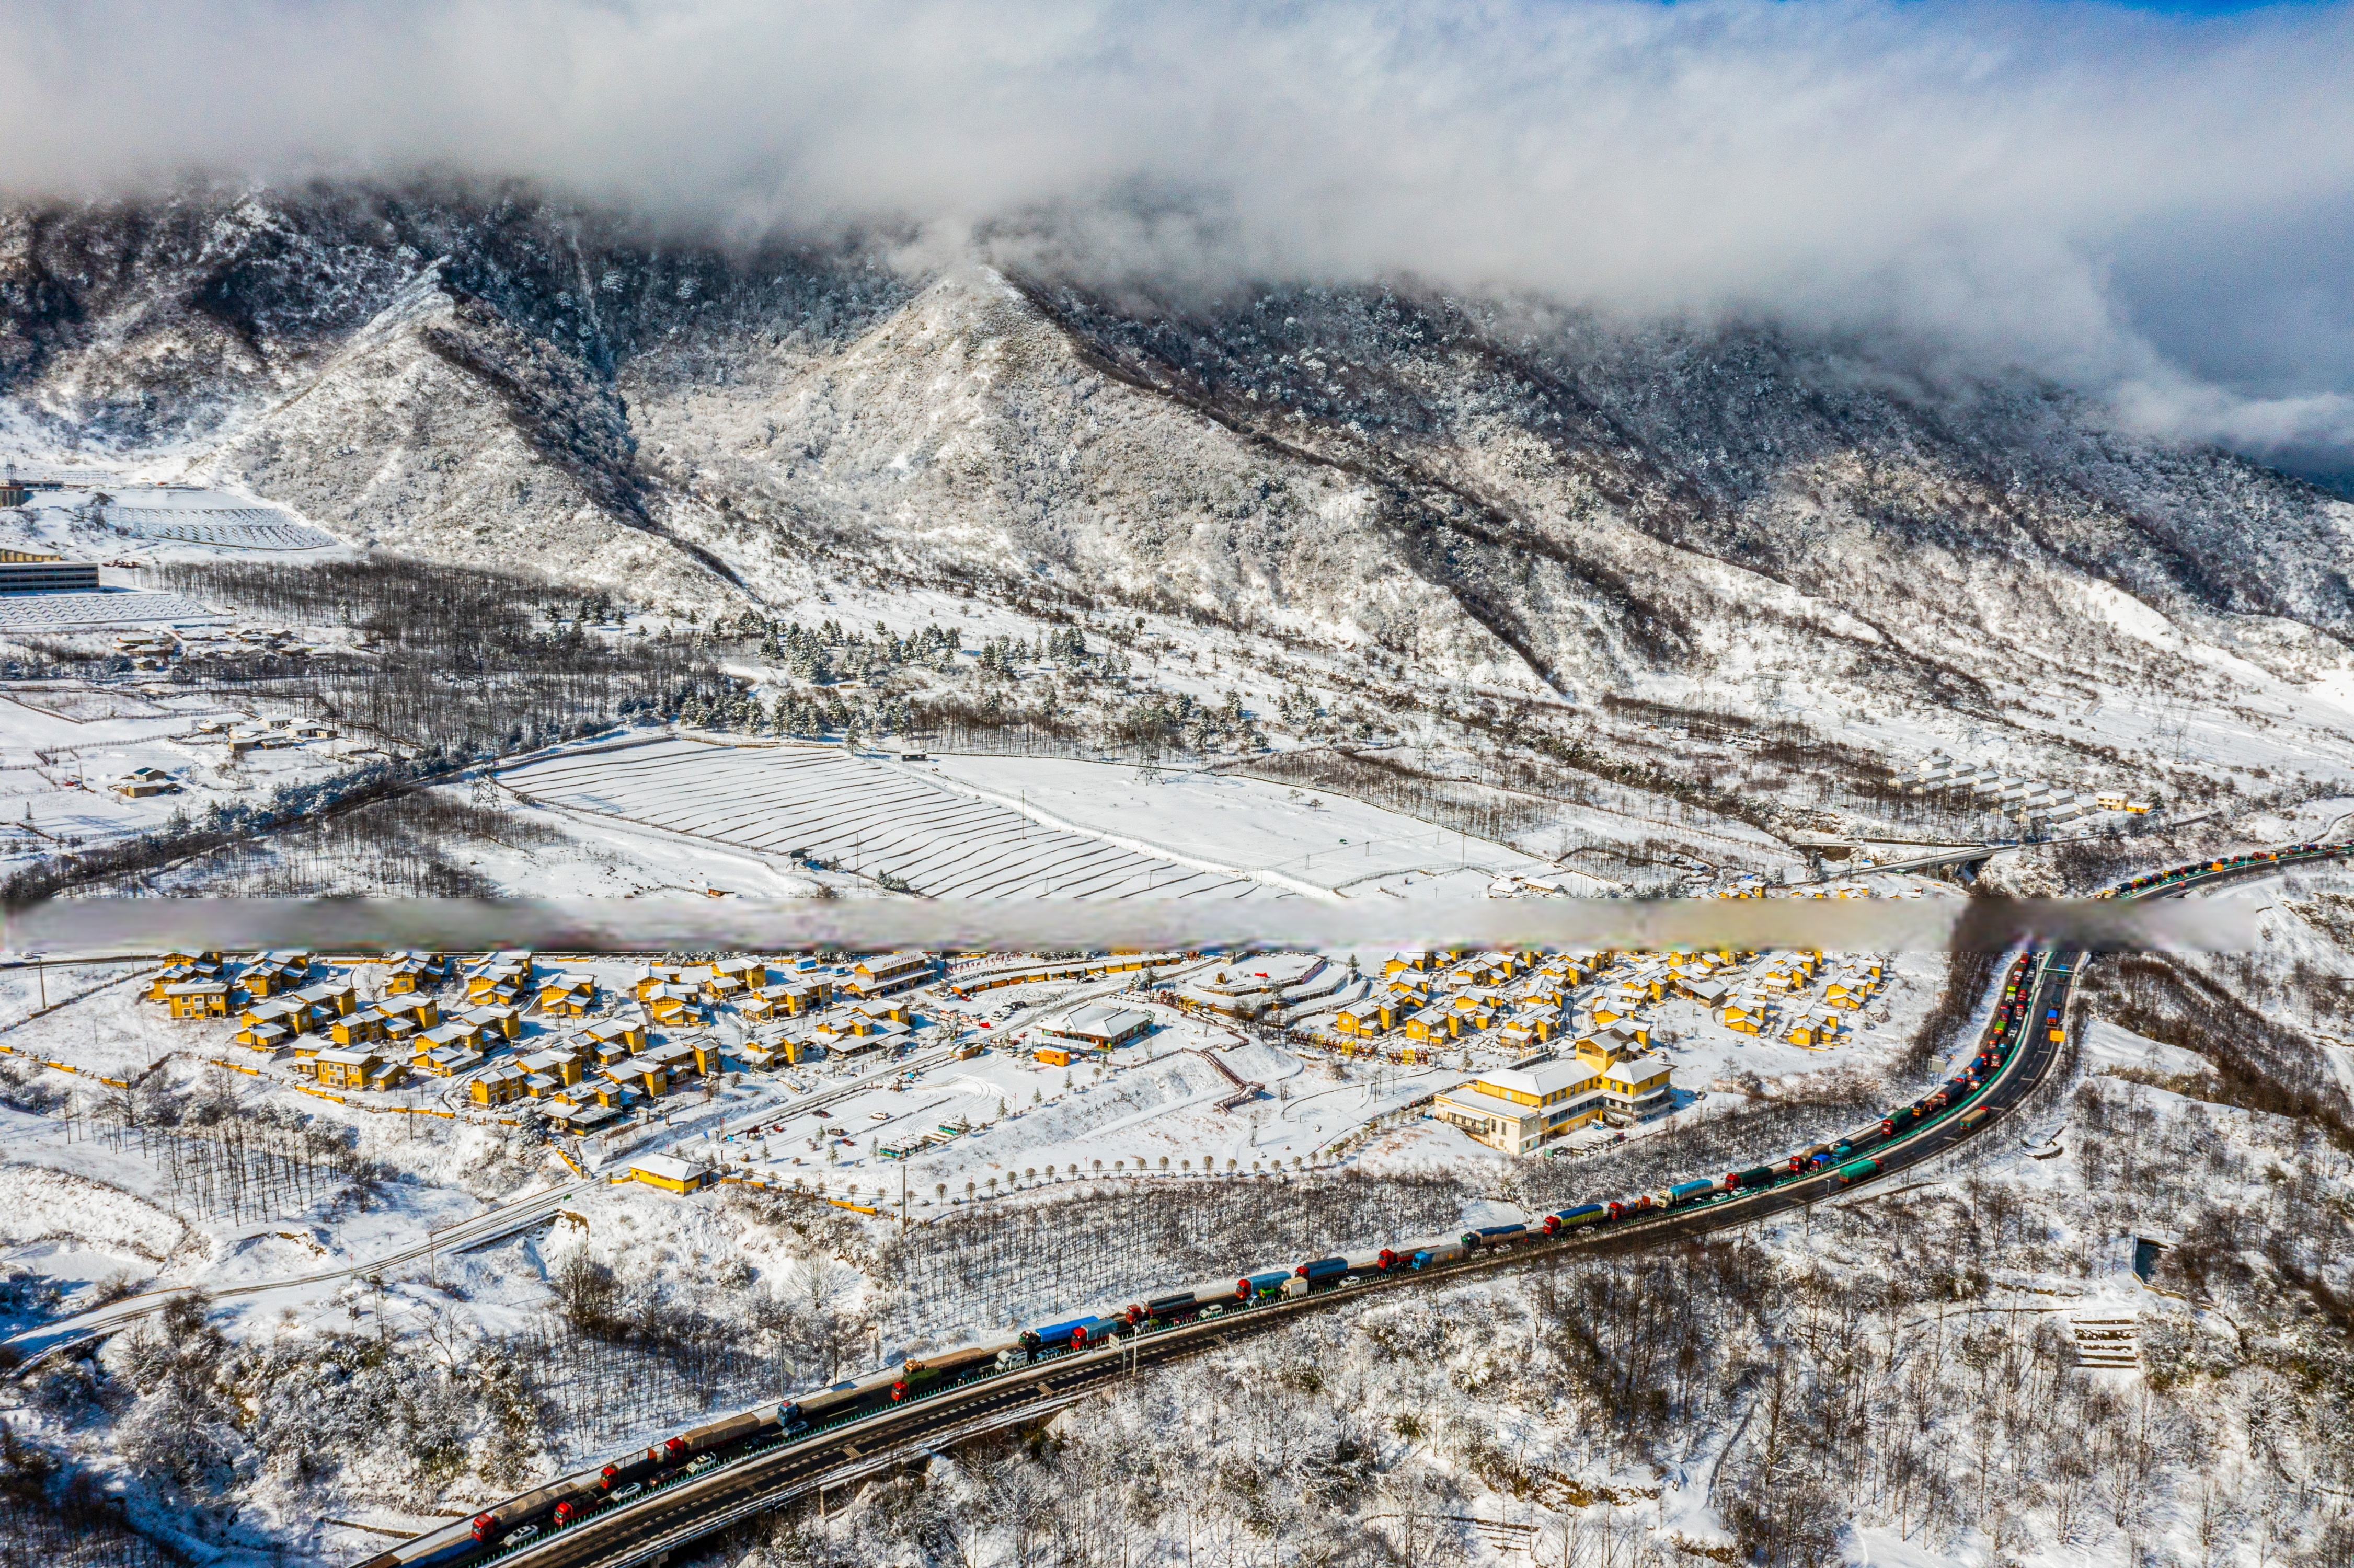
(1488, 493)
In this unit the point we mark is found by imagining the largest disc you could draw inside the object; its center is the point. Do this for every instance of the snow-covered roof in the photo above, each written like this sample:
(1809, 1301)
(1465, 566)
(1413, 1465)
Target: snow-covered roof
(1542, 1079)
(1633, 1071)
(1097, 1020)
(1476, 1098)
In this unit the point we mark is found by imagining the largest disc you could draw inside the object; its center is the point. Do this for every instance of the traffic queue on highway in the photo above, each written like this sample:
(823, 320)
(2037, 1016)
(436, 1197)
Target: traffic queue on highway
(1854, 1156)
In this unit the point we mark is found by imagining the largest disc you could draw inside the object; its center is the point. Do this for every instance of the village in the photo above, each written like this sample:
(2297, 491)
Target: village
(892, 1082)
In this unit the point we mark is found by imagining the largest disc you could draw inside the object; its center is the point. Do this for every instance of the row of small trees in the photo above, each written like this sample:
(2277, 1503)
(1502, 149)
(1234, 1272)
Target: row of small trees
(994, 1263)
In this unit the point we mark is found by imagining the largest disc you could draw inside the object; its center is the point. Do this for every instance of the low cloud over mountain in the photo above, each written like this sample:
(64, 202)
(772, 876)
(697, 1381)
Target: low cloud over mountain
(2138, 206)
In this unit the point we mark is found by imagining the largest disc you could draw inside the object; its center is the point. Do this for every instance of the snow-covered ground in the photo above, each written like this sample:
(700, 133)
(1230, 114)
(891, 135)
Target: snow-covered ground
(809, 1230)
(1284, 837)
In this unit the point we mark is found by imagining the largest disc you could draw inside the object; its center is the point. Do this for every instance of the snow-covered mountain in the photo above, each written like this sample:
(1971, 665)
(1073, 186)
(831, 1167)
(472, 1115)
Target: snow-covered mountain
(1492, 492)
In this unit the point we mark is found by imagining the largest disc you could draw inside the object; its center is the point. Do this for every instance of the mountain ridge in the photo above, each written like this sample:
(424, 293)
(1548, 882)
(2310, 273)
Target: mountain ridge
(1494, 492)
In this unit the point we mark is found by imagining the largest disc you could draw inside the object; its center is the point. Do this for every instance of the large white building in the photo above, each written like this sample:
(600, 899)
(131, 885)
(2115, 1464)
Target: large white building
(1098, 1026)
(1521, 1109)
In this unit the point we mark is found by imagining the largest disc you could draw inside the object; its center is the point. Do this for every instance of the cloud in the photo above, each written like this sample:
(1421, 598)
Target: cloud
(2152, 206)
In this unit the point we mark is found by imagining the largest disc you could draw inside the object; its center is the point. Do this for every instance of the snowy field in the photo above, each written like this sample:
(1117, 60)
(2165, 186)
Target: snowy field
(873, 819)
(1283, 836)
(64, 743)
(100, 516)
(972, 826)
(235, 527)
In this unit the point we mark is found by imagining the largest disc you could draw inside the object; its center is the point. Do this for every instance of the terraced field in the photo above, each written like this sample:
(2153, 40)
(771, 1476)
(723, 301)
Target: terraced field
(235, 527)
(862, 815)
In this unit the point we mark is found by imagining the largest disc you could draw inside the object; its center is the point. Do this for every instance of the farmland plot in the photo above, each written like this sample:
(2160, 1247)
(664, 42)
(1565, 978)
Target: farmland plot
(861, 816)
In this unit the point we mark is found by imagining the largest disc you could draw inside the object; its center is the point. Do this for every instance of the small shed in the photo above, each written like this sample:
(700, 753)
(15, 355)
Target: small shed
(668, 1172)
(146, 781)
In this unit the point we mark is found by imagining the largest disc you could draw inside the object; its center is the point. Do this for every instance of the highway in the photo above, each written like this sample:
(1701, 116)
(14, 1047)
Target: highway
(642, 1534)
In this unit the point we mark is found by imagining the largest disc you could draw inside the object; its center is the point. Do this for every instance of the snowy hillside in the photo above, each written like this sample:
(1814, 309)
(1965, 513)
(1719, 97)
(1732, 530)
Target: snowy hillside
(1443, 490)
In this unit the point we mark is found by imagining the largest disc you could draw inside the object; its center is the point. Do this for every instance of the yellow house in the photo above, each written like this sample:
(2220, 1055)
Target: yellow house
(798, 997)
(177, 974)
(618, 1031)
(652, 978)
(288, 1013)
(569, 996)
(262, 978)
(491, 1022)
(603, 1090)
(673, 1004)
(648, 1077)
(422, 1012)
(749, 974)
(560, 1066)
(411, 971)
(715, 982)
(1516, 1035)
(1636, 1090)
(344, 1069)
(1432, 1025)
(605, 1053)
(1745, 1015)
(333, 999)
(263, 1036)
(498, 1087)
(197, 998)
(360, 1029)
(873, 977)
